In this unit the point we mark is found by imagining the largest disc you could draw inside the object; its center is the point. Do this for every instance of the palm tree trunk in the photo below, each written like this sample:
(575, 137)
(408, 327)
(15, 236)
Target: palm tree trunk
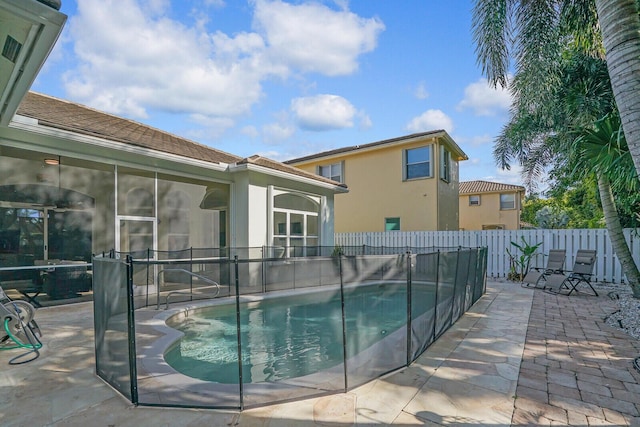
(620, 27)
(616, 236)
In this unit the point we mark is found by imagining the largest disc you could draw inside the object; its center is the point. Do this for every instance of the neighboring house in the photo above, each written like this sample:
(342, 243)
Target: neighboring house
(75, 181)
(408, 183)
(488, 205)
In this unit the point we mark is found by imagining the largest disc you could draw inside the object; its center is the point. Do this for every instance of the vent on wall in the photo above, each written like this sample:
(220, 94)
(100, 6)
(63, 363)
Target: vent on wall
(11, 49)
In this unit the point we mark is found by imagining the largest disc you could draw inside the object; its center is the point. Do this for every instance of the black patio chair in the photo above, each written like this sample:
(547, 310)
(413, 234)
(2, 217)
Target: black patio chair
(537, 276)
(582, 273)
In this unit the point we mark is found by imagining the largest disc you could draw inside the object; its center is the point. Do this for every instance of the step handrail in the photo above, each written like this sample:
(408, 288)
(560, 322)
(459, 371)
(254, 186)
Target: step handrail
(190, 292)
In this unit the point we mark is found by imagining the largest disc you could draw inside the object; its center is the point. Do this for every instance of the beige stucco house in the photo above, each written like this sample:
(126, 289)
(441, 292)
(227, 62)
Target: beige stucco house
(409, 183)
(488, 205)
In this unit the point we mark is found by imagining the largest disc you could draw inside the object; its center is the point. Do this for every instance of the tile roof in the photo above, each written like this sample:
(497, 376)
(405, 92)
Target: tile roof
(474, 187)
(65, 115)
(434, 133)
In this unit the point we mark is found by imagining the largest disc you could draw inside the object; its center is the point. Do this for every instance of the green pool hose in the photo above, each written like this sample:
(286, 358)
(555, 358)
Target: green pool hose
(33, 347)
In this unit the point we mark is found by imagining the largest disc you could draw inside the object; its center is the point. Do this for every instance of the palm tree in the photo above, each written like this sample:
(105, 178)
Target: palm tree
(535, 32)
(561, 83)
(602, 150)
(620, 26)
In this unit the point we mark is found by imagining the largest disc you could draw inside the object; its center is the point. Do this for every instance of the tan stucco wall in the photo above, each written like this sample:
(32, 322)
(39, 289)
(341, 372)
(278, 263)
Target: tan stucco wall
(377, 191)
(448, 216)
(488, 212)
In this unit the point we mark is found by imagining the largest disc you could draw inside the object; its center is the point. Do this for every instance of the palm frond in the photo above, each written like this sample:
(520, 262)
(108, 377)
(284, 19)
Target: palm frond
(492, 35)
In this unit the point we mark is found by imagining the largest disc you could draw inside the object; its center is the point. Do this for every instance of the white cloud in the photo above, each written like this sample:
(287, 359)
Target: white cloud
(132, 61)
(420, 91)
(323, 112)
(430, 120)
(314, 38)
(250, 131)
(275, 133)
(365, 121)
(134, 57)
(212, 127)
(484, 100)
(481, 140)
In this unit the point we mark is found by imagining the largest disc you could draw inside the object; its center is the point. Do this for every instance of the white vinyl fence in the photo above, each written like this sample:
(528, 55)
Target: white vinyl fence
(607, 267)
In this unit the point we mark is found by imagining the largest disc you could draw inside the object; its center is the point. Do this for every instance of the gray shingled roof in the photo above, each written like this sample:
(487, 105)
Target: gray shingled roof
(475, 187)
(60, 114)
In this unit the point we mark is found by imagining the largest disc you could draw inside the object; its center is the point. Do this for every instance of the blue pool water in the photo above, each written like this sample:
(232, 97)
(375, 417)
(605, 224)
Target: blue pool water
(289, 337)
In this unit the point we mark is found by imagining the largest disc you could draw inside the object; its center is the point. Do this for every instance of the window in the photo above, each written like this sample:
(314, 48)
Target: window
(474, 200)
(295, 221)
(333, 171)
(445, 164)
(493, 227)
(417, 163)
(392, 224)
(507, 201)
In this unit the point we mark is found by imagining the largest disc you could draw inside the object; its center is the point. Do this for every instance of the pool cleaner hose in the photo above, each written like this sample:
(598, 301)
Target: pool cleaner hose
(33, 346)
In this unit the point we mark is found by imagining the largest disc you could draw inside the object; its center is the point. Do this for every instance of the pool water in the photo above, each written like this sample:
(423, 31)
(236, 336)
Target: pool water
(289, 337)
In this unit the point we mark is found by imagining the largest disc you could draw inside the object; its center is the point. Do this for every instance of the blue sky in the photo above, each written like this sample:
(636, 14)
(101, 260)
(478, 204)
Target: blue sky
(283, 79)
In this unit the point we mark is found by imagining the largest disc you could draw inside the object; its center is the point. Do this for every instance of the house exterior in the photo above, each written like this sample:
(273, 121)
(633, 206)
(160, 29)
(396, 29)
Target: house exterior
(488, 205)
(75, 181)
(407, 183)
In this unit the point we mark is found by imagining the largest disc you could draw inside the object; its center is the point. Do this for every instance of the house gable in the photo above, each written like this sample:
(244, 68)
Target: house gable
(485, 205)
(398, 181)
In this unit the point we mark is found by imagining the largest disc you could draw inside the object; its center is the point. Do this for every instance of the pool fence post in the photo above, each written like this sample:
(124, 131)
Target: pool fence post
(191, 275)
(409, 319)
(435, 308)
(265, 255)
(235, 260)
(344, 324)
(455, 285)
(131, 332)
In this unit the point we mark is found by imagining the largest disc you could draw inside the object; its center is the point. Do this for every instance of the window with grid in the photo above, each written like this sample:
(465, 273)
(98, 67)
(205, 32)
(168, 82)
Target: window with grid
(474, 200)
(417, 163)
(333, 171)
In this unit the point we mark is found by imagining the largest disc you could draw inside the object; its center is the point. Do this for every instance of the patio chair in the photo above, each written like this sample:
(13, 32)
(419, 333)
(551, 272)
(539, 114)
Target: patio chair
(537, 276)
(582, 273)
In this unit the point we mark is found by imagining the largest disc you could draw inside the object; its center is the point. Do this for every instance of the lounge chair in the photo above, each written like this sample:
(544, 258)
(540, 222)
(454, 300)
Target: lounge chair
(582, 273)
(537, 276)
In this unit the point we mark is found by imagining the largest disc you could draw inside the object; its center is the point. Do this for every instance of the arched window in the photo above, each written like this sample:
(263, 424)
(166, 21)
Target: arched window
(296, 221)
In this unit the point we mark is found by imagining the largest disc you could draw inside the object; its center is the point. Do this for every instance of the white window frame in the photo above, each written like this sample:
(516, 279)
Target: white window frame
(471, 203)
(338, 177)
(287, 236)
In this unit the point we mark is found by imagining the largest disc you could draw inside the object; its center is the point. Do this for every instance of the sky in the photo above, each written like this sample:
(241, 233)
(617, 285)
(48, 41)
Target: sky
(283, 79)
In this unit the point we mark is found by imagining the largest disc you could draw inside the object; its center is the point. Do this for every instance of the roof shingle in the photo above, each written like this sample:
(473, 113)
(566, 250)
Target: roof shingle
(66, 115)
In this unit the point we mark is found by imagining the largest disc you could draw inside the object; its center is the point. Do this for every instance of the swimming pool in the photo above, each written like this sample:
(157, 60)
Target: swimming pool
(292, 336)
